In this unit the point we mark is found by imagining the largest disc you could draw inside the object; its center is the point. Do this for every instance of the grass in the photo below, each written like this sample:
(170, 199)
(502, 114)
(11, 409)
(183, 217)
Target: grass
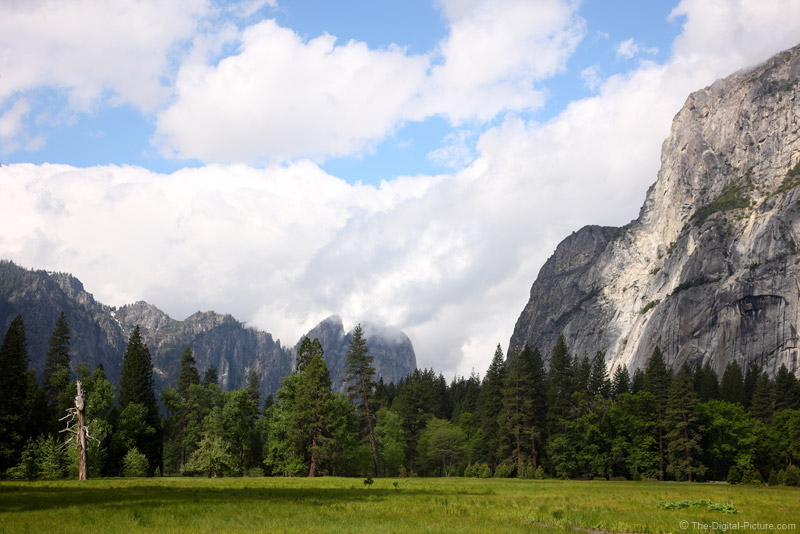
(323, 505)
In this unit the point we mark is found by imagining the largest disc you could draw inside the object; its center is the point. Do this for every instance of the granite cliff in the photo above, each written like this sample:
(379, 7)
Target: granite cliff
(709, 270)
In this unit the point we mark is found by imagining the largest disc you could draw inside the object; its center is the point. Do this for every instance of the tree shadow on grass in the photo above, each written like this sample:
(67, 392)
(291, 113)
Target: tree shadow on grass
(25, 497)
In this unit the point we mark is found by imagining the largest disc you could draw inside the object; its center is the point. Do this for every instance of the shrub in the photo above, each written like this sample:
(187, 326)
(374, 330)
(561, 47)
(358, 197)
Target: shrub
(484, 471)
(734, 475)
(791, 477)
(751, 476)
(775, 478)
(539, 474)
(618, 479)
(530, 472)
(502, 471)
(255, 472)
(135, 464)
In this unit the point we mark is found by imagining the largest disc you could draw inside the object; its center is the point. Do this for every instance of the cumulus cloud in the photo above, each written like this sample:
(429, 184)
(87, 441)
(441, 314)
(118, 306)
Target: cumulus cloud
(89, 47)
(495, 54)
(281, 97)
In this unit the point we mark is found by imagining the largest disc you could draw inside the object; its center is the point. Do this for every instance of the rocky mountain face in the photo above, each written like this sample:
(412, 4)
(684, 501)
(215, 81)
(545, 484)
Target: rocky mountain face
(393, 354)
(709, 270)
(100, 333)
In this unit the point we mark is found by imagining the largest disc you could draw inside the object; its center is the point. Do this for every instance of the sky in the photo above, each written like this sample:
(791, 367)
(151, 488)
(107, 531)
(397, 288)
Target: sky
(412, 163)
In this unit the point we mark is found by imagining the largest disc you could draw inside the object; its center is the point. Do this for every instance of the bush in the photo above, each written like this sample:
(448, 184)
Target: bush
(484, 471)
(539, 474)
(618, 479)
(502, 471)
(255, 472)
(775, 478)
(734, 475)
(751, 476)
(135, 464)
(529, 472)
(791, 477)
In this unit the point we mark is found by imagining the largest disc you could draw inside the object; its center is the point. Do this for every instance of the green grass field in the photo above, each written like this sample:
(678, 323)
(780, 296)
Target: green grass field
(327, 505)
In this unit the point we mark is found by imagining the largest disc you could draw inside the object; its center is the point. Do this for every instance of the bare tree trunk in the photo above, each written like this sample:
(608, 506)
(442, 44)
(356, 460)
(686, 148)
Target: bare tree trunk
(80, 405)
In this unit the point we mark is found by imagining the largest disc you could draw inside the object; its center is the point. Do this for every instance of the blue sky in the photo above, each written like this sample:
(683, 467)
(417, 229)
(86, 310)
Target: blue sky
(118, 133)
(411, 163)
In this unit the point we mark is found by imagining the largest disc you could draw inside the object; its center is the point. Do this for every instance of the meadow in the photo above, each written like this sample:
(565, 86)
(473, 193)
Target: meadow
(326, 505)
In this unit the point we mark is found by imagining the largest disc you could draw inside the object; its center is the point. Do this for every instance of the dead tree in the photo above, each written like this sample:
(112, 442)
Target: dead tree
(79, 432)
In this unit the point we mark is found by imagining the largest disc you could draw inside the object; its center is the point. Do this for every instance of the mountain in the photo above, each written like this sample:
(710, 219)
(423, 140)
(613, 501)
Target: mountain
(393, 354)
(99, 335)
(709, 270)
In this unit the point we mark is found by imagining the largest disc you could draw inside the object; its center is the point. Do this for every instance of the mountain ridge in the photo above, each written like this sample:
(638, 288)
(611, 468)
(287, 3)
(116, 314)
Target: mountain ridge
(100, 334)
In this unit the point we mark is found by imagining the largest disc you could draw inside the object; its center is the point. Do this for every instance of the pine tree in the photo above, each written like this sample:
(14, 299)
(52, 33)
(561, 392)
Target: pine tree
(559, 388)
(731, 388)
(56, 369)
(750, 381)
(210, 377)
(312, 412)
(307, 350)
(536, 421)
(136, 386)
(684, 438)
(621, 382)
(787, 390)
(14, 385)
(598, 379)
(361, 377)
(657, 380)
(516, 407)
(706, 384)
(638, 381)
(763, 402)
(490, 406)
(188, 374)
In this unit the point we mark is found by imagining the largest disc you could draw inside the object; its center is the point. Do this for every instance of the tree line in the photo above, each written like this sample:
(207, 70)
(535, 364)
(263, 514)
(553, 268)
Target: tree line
(522, 419)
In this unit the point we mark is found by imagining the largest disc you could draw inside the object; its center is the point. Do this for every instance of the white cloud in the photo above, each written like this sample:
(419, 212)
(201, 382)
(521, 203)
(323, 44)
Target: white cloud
(281, 97)
(629, 48)
(590, 76)
(495, 54)
(93, 48)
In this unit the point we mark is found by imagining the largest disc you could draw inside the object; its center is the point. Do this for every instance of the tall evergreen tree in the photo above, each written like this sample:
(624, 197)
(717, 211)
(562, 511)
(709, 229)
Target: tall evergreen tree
(750, 381)
(621, 383)
(188, 373)
(559, 388)
(598, 379)
(14, 385)
(762, 403)
(210, 378)
(312, 413)
(536, 421)
(637, 381)
(657, 380)
(706, 384)
(56, 369)
(516, 408)
(136, 386)
(361, 379)
(490, 405)
(787, 390)
(684, 438)
(307, 350)
(731, 388)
